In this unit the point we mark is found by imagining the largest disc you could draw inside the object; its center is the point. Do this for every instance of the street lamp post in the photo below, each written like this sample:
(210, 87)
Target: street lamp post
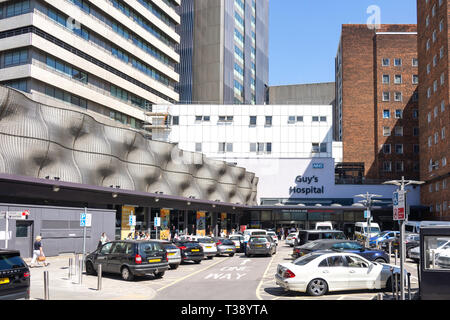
(368, 201)
(402, 183)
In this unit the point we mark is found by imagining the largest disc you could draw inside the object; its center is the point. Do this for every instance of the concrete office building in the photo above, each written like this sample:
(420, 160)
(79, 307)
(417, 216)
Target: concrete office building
(376, 115)
(114, 58)
(434, 110)
(224, 51)
(303, 94)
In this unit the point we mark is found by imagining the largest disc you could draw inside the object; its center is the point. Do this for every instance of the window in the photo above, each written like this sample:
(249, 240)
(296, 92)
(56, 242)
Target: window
(398, 114)
(441, 25)
(386, 131)
(252, 120)
(397, 62)
(399, 148)
(415, 79)
(222, 146)
(415, 132)
(260, 146)
(315, 119)
(175, 120)
(268, 121)
(291, 119)
(386, 114)
(386, 148)
(415, 62)
(442, 78)
(323, 147)
(435, 61)
(443, 133)
(387, 166)
(415, 113)
(398, 96)
(17, 8)
(416, 149)
(442, 106)
(398, 79)
(428, 68)
(386, 96)
(198, 147)
(429, 117)
(229, 147)
(428, 44)
(323, 119)
(430, 141)
(386, 62)
(386, 79)
(315, 148)
(398, 131)
(198, 118)
(399, 166)
(17, 57)
(433, 37)
(252, 147)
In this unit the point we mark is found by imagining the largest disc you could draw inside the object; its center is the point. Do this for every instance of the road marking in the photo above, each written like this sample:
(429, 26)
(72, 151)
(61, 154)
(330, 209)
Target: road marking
(245, 261)
(192, 274)
(262, 279)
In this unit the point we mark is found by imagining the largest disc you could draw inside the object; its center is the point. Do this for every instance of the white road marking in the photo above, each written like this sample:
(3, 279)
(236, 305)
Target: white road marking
(262, 280)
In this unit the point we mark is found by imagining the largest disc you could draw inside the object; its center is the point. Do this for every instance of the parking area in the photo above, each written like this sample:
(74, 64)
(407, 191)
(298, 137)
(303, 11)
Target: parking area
(269, 290)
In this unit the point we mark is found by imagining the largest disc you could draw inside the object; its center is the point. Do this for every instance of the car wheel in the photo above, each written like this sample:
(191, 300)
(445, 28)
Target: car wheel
(210, 257)
(380, 260)
(90, 270)
(174, 266)
(317, 287)
(126, 274)
(389, 285)
(197, 261)
(159, 275)
(231, 254)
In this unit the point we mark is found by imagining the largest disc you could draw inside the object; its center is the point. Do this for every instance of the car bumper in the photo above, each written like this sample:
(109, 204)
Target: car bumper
(16, 295)
(176, 260)
(226, 251)
(144, 270)
(193, 258)
(288, 284)
(258, 251)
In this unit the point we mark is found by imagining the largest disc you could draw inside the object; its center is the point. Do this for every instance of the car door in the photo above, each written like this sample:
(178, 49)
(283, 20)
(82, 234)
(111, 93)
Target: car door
(359, 276)
(115, 257)
(102, 256)
(334, 271)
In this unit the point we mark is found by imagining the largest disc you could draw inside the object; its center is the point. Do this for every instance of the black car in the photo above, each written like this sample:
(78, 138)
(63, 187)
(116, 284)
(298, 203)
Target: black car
(305, 236)
(190, 251)
(343, 246)
(14, 276)
(129, 258)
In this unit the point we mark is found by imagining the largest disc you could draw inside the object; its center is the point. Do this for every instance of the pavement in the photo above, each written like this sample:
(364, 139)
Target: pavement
(61, 287)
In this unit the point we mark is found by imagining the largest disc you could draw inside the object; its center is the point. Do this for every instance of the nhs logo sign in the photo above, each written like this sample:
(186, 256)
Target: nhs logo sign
(318, 165)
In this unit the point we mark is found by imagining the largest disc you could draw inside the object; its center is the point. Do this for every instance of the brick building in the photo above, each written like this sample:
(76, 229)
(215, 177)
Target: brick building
(376, 113)
(434, 114)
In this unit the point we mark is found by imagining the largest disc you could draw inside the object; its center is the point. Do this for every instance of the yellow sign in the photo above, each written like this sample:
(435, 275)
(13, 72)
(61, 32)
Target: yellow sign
(126, 229)
(223, 223)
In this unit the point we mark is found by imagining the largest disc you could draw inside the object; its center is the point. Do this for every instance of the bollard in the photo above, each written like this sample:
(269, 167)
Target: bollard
(46, 283)
(80, 274)
(99, 278)
(396, 286)
(70, 268)
(76, 264)
(380, 296)
(390, 250)
(395, 252)
(409, 286)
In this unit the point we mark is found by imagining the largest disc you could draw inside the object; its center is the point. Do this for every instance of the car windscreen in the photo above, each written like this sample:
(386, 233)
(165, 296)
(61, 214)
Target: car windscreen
(11, 261)
(258, 233)
(305, 259)
(205, 240)
(291, 235)
(271, 233)
(258, 240)
(237, 238)
(189, 244)
(381, 233)
(311, 245)
(146, 248)
(372, 230)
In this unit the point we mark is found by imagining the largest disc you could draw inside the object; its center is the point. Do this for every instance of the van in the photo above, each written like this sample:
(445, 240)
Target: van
(305, 236)
(414, 226)
(326, 225)
(253, 232)
(361, 230)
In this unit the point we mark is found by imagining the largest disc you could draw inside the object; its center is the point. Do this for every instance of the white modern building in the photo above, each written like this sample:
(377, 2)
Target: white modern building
(289, 147)
(115, 58)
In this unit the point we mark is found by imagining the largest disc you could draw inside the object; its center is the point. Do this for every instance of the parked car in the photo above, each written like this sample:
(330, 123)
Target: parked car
(326, 225)
(129, 258)
(441, 245)
(274, 236)
(342, 245)
(238, 240)
(261, 245)
(225, 246)
(253, 232)
(305, 236)
(14, 276)
(412, 240)
(173, 254)
(443, 259)
(190, 251)
(208, 244)
(383, 236)
(291, 239)
(321, 272)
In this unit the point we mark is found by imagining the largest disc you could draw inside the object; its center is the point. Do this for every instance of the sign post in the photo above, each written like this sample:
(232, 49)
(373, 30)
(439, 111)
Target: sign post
(85, 221)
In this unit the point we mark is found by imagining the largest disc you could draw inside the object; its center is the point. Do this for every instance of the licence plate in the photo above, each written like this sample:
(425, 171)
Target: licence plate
(259, 246)
(4, 280)
(171, 253)
(229, 250)
(154, 260)
(195, 250)
(208, 247)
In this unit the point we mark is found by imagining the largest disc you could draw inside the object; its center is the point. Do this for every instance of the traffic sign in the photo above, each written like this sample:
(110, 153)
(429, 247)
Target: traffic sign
(85, 219)
(15, 215)
(399, 205)
(132, 221)
(366, 214)
(157, 222)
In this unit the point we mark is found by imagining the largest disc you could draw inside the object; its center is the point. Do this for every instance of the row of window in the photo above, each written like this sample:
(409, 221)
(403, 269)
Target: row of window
(435, 187)
(398, 79)
(436, 111)
(399, 166)
(436, 137)
(253, 119)
(65, 96)
(14, 8)
(398, 62)
(259, 147)
(398, 148)
(434, 165)
(15, 57)
(398, 131)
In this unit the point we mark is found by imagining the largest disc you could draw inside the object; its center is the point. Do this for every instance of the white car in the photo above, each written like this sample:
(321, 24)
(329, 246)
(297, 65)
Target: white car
(274, 236)
(320, 272)
(208, 244)
(290, 239)
(442, 244)
(443, 260)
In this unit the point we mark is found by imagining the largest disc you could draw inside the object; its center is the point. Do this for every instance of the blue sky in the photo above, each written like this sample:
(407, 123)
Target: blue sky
(304, 34)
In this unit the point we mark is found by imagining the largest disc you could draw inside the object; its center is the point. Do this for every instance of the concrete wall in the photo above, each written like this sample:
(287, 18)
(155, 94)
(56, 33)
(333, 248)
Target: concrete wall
(314, 93)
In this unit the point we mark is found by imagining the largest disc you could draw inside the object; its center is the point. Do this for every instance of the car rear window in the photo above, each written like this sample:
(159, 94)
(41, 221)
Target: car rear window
(258, 240)
(305, 259)
(189, 244)
(170, 246)
(227, 242)
(236, 238)
(205, 240)
(11, 261)
(150, 247)
(291, 234)
(258, 233)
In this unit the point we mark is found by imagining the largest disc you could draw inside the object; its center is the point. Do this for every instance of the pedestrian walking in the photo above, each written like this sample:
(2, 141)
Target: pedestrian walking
(38, 253)
(103, 239)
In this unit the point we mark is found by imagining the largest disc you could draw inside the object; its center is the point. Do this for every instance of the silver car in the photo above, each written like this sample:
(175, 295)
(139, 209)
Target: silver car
(263, 245)
(225, 246)
(173, 254)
